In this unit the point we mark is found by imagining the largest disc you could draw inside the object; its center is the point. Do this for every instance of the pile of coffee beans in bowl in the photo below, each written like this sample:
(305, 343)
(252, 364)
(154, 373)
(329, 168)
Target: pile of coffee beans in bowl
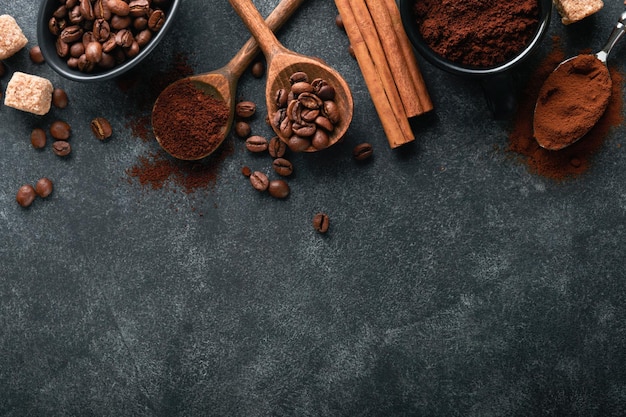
(100, 34)
(307, 113)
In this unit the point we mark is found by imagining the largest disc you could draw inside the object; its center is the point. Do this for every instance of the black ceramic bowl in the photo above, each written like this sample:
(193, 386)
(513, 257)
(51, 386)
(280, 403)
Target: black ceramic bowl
(412, 29)
(47, 43)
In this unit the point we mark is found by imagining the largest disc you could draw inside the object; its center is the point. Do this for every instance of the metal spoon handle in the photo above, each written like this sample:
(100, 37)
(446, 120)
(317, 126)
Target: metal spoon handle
(618, 32)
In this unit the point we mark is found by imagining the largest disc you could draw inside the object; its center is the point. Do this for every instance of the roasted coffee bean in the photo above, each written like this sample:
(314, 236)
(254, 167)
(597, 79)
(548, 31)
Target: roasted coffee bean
(320, 139)
(256, 144)
(281, 98)
(139, 8)
(286, 128)
(321, 222)
(38, 138)
(156, 20)
(75, 16)
(278, 189)
(101, 31)
(310, 101)
(56, 26)
(297, 77)
(84, 64)
(61, 148)
(107, 61)
(331, 110)
(143, 37)
(133, 50)
(304, 129)
(60, 130)
(124, 38)
(246, 171)
(71, 34)
(245, 109)
(259, 181)
(301, 87)
(118, 7)
(102, 10)
(63, 49)
(242, 129)
(362, 151)
(59, 98)
(77, 49)
(326, 92)
(277, 148)
(283, 167)
(35, 55)
(25, 195)
(324, 123)
(339, 22)
(60, 12)
(109, 45)
(101, 128)
(93, 52)
(86, 9)
(43, 187)
(258, 69)
(120, 22)
(140, 23)
(298, 144)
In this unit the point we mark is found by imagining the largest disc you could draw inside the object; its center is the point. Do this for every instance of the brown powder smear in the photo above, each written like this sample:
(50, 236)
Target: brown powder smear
(575, 159)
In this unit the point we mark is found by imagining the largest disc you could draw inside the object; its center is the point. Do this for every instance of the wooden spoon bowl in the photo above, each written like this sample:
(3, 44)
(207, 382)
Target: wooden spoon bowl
(282, 63)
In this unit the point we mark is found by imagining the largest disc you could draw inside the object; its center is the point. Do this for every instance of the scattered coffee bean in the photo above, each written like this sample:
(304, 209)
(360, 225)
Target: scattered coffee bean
(362, 151)
(258, 69)
(277, 148)
(38, 138)
(245, 109)
(256, 144)
(278, 189)
(59, 98)
(242, 129)
(339, 22)
(35, 55)
(282, 167)
(259, 181)
(25, 195)
(61, 148)
(321, 222)
(246, 171)
(60, 130)
(43, 187)
(101, 128)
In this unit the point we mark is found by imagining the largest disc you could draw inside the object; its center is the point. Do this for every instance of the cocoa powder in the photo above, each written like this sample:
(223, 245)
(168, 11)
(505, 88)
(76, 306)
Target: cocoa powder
(477, 33)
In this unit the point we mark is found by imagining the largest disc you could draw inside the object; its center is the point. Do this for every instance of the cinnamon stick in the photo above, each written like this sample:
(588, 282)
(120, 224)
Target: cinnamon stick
(377, 78)
(409, 55)
(395, 57)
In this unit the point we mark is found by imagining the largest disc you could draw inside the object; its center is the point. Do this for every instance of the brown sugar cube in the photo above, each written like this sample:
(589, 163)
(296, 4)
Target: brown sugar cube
(572, 11)
(12, 38)
(29, 93)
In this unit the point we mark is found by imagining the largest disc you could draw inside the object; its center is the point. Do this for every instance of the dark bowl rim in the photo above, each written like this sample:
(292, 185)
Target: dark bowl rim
(46, 42)
(420, 45)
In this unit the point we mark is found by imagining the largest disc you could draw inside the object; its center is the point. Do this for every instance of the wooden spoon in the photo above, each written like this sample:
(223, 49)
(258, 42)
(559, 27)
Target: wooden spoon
(282, 63)
(222, 83)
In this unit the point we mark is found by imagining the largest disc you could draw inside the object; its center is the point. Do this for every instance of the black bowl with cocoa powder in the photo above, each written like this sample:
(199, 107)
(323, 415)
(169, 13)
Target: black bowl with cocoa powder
(475, 37)
(478, 38)
(99, 60)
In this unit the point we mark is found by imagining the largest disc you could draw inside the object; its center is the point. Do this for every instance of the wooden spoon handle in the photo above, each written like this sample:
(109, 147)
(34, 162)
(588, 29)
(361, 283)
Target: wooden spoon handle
(256, 25)
(283, 11)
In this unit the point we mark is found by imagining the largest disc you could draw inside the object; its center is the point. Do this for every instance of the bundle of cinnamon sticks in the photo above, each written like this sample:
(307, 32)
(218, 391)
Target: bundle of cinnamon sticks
(387, 61)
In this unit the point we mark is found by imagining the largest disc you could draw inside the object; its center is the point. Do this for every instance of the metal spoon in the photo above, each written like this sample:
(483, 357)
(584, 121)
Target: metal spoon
(222, 83)
(602, 56)
(282, 63)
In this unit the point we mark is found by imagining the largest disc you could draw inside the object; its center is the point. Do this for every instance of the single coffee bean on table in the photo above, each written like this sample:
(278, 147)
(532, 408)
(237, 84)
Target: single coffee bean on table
(44, 187)
(35, 55)
(259, 181)
(61, 148)
(245, 109)
(60, 130)
(256, 144)
(277, 148)
(278, 189)
(59, 98)
(283, 167)
(362, 151)
(242, 129)
(321, 222)
(101, 128)
(38, 138)
(25, 195)
(258, 69)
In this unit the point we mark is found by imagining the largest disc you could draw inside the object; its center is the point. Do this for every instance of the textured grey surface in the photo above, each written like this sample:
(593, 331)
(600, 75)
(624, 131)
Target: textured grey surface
(453, 282)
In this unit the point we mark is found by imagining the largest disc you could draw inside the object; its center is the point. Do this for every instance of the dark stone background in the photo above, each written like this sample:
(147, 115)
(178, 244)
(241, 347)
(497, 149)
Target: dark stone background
(453, 281)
